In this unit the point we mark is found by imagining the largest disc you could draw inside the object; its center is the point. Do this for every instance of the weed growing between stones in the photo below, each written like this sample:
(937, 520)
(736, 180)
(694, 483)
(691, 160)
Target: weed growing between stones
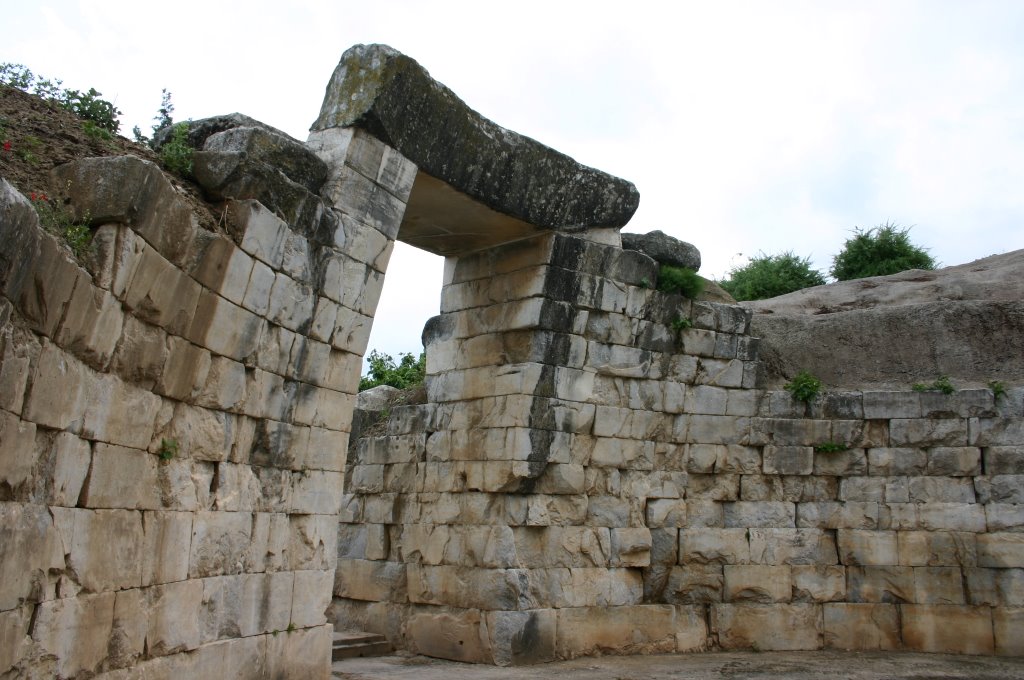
(830, 447)
(804, 387)
(679, 280)
(679, 324)
(998, 389)
(59, 221)
(941, 384)
(168, 449)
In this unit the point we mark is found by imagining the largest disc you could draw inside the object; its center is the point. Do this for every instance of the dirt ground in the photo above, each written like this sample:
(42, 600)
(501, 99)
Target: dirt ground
(37, 136)
(712, 665)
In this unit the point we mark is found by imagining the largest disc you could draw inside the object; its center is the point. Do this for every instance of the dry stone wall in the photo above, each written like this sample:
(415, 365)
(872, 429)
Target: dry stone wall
(595, 469)
(596, 472)
(174, 408)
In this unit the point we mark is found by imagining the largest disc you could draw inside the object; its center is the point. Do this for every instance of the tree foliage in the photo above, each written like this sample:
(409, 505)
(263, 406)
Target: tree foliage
(767, 276)
(886, 249)
(408, 372)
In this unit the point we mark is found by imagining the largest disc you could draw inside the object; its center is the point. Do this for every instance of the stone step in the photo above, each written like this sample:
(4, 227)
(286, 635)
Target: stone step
(353, 644)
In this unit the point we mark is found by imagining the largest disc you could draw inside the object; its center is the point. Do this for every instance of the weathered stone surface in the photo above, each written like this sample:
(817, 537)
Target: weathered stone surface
(122, 478)
(663, 248)
(32, 548)
(930, 344)
(131, 191)
(228, 171)
(522, 638)
(767, 627)
(861, 626)
(302, 653)
(21, 237)
(374, 86)
(641, 629)
(456, 635)
(265, 145)
(172, 612)
(951, 629)
(758, 583)
(75, 631)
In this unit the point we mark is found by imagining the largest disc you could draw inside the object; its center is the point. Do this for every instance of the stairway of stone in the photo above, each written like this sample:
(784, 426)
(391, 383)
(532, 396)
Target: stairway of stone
(349, 644)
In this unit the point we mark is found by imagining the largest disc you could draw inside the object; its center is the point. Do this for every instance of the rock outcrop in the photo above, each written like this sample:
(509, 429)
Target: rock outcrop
(965, 322)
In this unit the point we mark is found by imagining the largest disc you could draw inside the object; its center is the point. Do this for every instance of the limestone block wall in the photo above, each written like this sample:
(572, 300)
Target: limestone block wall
(175, 407)
(596, 472)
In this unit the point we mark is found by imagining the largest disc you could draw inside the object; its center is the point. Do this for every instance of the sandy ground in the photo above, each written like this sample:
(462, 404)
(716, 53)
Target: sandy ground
(732, 665)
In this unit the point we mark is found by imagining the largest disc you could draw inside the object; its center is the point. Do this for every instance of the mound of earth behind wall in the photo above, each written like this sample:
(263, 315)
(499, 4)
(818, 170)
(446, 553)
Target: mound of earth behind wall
(965, 322)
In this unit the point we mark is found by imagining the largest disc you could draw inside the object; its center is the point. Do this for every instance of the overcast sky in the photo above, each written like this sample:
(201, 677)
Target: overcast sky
(747, 126)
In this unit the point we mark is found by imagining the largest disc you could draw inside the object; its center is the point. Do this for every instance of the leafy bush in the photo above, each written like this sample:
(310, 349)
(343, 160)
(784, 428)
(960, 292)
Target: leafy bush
(176, 154)
(886, 249)
(89, 106)
(409, 372)
(804, 386)
(768, 276)
(679, 280)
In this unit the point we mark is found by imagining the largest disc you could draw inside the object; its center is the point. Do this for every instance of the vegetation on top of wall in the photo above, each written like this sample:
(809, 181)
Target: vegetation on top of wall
(86, 105)
(886, 249)
(176, 153)
(768, 276)
(680, 280)
(408, 372)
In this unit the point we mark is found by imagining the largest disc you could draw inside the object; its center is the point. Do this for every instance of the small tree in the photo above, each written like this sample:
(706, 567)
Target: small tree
(886, 249)
(409, 372)
(768, 276)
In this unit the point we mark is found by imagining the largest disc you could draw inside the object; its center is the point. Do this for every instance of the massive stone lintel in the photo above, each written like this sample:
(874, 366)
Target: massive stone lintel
(376, 88)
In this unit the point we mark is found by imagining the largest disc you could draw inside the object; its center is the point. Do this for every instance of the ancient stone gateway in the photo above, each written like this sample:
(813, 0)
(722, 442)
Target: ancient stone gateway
(595, 470)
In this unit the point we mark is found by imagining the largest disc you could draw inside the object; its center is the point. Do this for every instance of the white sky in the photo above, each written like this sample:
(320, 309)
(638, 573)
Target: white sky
(747, 126)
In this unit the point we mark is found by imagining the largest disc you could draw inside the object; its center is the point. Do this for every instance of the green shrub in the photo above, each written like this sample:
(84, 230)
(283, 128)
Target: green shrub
(830, 447)
(998, 389)
(89, 106)
(409, 372)
(176, 154)
(768, 276)
(679, 280)
(804, 386)
(886, 249)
